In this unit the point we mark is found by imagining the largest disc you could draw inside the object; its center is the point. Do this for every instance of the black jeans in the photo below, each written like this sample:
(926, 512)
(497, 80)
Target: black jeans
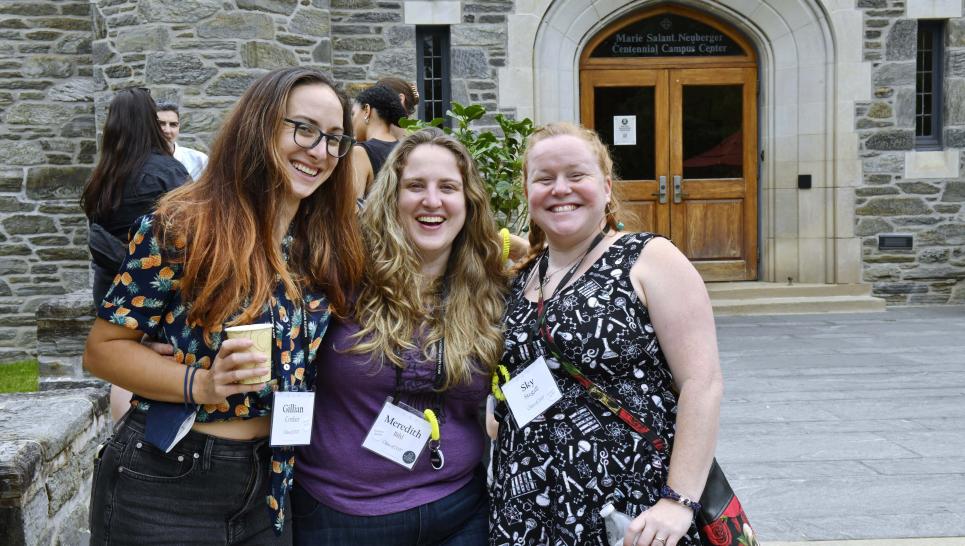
(459, 519)
(205, 491)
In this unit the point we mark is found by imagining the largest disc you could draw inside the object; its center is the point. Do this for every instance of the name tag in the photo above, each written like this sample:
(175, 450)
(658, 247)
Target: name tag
(291, 418)
(531, 392)
(398, 434)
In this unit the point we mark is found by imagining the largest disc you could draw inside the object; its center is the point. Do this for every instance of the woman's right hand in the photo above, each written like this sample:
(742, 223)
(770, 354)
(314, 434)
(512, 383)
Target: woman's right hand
(230, 366)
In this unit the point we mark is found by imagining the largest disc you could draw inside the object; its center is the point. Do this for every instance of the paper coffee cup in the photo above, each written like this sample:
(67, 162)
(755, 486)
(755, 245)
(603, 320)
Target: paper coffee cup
(260, 335)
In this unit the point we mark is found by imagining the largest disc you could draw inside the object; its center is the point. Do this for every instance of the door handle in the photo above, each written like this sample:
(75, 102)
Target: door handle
(661, 194)
(678, 192)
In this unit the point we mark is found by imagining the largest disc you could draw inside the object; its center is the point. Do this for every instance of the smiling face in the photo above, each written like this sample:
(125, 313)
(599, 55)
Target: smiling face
(170, 124)
(307, 169)
(566, 189)
(432, 203)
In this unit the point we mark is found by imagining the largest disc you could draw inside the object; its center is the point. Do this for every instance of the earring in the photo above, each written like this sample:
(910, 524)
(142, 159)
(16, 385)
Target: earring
(620, 226)
(366, 121)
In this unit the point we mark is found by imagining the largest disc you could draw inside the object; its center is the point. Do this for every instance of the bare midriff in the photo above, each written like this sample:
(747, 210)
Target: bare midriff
(244, 429)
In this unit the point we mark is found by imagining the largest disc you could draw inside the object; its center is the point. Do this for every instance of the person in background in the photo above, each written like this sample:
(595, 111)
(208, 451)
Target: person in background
(408, 96)
(134, 170)
(622, 314)
(374, 111)
(170, 118)
(268, 235)
(425, 331)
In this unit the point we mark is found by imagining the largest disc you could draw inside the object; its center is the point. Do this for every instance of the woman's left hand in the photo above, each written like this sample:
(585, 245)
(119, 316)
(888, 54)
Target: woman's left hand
(663, 524)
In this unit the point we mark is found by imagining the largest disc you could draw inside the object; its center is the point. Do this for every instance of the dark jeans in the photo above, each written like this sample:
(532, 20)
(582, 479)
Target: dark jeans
(205, 491)
(460, 519)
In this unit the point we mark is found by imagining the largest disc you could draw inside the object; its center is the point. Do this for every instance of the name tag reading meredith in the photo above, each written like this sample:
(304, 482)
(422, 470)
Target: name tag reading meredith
(398, 434)
(291, 418)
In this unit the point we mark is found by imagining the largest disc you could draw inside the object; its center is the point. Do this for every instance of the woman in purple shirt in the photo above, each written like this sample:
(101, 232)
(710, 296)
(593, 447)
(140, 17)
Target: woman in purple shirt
(397, 443)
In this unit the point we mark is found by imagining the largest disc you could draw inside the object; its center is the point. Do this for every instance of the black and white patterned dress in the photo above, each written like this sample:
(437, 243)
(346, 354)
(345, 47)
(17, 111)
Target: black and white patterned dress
(551, 478)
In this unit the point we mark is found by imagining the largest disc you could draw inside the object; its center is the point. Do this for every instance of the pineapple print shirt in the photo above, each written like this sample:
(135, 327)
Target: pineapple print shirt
(145, 297)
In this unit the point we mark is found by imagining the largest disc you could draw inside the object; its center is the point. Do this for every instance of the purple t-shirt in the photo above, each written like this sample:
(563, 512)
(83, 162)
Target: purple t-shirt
(349, 394)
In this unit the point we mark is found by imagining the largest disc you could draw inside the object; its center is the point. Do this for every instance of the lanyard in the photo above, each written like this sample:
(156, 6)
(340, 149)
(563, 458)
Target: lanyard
(595, 391)
(436, 457)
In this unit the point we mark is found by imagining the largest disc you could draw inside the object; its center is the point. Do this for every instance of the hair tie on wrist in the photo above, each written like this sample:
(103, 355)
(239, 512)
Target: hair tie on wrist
(187, 370)
(194, 372)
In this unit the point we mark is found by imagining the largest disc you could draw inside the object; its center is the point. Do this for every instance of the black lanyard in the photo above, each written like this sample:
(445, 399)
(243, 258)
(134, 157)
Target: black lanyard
(544, 265)
(436, 458)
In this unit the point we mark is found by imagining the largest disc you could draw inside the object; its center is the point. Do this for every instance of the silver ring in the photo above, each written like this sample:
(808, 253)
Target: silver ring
(660, 540)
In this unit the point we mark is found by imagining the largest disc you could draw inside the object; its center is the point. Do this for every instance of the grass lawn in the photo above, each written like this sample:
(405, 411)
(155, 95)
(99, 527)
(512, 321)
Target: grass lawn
(19, 376)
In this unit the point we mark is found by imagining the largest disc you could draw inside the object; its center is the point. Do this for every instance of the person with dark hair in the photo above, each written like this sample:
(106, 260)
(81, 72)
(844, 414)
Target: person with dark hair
(374, 111)
(135, 168)
(170, 118)
(408, 96)
(269, 237)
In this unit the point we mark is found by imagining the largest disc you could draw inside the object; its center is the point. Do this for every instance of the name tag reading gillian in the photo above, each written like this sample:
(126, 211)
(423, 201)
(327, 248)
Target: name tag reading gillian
(531, 392)
(398, 434)
(291, 418)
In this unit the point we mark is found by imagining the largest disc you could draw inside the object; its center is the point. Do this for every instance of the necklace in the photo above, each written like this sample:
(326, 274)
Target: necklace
(559, 269)
(571, 266)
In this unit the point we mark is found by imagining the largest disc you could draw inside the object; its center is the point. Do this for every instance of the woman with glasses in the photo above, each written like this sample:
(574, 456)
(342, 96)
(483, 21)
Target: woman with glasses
(423, 337)
(267, 235)
(375, 111)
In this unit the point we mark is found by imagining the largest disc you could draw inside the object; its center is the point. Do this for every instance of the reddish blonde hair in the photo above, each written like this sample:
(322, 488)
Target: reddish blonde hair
(537, 239)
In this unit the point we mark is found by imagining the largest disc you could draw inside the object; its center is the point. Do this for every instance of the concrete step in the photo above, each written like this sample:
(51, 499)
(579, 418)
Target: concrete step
(759, 298)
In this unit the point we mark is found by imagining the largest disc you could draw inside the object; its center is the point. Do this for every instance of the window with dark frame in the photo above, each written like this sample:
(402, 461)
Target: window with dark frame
(928, 85)
(432, 43)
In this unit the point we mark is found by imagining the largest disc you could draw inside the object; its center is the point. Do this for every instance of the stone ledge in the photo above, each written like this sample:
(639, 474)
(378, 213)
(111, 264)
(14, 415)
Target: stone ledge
(46, 467)
(62, 327)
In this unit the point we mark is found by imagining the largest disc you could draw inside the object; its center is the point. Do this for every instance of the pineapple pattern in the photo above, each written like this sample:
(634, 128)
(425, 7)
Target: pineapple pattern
(145, 297)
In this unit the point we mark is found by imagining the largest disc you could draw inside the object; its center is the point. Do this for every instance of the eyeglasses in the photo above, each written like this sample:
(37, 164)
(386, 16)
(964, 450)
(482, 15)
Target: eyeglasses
(308, 136)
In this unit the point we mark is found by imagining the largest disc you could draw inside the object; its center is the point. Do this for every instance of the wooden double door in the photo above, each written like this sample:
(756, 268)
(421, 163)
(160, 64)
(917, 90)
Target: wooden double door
(684, 143)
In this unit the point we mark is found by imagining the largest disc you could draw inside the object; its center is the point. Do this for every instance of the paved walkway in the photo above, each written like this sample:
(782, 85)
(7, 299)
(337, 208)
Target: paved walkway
(843, 427)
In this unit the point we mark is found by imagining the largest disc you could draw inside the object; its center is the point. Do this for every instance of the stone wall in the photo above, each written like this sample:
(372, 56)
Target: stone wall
(47, 148)
(898, 195)
(370, 40)
(47, 446)
(203, 54)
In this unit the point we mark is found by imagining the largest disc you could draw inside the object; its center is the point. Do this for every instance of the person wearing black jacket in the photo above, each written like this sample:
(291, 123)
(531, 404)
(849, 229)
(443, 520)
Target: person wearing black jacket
(134, 170)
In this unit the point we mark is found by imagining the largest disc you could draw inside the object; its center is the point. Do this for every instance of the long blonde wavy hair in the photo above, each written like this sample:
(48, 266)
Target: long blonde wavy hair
(397, 307)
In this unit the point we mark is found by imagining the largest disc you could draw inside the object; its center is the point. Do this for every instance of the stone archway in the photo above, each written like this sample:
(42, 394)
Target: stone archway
(811, 73)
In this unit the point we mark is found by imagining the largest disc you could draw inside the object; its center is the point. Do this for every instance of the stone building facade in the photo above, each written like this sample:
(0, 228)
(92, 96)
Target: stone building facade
(835, 101)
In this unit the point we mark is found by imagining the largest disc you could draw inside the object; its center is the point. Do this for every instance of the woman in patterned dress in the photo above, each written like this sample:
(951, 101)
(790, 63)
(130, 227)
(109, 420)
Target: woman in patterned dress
(632, 314)
(268, 234)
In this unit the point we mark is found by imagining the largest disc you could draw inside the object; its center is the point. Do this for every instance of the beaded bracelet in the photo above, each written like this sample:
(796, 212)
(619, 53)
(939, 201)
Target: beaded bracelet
(666, 492)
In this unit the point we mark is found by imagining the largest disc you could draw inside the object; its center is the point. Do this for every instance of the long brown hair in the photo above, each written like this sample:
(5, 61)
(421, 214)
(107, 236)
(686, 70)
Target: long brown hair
(131, 133)
(395, 306)
(537, 238)
(227, 220)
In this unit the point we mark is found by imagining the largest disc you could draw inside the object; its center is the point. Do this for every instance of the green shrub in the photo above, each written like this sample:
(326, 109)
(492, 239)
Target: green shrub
(498, 158)
(19, 376)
